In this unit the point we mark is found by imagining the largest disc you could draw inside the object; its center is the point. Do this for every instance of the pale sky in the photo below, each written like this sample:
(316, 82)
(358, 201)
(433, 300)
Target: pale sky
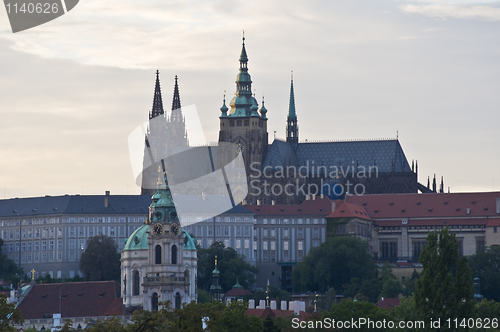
(73, 89)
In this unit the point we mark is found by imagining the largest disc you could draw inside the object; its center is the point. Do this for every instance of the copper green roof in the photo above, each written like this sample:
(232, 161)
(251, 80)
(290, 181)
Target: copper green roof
(139, 240)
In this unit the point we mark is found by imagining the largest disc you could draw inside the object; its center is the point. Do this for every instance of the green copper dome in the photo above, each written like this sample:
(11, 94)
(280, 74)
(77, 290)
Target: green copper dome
(139, 239)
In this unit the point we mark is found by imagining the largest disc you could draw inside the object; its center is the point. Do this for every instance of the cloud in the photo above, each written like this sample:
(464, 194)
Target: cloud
(481, 12)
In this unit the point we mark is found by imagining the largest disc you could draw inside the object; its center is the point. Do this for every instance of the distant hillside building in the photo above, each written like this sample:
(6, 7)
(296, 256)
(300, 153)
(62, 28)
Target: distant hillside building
(397, 225)
(50, 233)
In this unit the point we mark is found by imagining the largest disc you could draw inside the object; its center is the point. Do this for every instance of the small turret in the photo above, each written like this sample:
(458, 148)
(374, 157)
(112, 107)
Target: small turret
(224, 108)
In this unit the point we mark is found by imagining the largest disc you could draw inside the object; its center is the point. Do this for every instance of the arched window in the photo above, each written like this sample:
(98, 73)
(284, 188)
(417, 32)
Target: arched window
(158, 254)
(174, 254)
(177, 301)
(154, 302)
(135, 283)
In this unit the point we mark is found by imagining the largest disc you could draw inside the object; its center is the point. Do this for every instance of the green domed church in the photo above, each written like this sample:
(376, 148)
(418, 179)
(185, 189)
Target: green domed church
(159, 260)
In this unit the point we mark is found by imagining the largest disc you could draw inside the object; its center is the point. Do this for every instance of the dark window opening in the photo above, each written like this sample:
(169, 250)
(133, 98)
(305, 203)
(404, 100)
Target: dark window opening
(158, 254)
(174, 254)
(135, 283)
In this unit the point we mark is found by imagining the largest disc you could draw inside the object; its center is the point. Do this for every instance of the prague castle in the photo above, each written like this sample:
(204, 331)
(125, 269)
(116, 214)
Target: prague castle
(287, 171)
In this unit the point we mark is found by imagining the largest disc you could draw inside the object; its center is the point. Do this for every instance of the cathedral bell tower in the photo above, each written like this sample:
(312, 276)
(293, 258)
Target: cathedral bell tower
(242, 123)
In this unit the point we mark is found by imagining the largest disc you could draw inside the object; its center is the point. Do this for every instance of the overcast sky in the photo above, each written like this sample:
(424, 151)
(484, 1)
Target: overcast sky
(73, 89)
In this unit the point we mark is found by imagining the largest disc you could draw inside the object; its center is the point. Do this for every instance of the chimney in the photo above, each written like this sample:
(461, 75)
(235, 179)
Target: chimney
(106, 201)
(273, 202)
(314, 197)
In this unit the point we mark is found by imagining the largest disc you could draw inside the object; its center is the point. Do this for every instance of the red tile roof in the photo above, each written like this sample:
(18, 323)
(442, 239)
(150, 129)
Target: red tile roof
(237, 292)
(348, 210)
(454, 205)
(318, 206)
(76, 299)
(263, 313)
(493, 222)
(388, 303)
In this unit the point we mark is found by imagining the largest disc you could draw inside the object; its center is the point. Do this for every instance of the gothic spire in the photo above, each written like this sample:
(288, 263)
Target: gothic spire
(176, 101)
(292, 130)
(291, 105)
(157, 101)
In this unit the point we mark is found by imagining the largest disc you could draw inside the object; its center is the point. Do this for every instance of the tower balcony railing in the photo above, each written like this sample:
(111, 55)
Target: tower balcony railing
(165, 277)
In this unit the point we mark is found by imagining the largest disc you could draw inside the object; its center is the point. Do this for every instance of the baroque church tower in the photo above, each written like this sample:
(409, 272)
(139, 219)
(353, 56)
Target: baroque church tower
(164, 135)
(159, 260)
(243, 123)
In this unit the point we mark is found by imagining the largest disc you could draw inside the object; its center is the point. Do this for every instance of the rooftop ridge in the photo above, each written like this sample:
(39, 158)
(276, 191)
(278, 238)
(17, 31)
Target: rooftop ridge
(350, 140)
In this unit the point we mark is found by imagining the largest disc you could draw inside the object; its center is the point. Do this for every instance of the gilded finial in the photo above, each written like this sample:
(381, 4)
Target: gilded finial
(224, 95)
(32, 274)
(243, 36)
(215, 260)
(291, 75)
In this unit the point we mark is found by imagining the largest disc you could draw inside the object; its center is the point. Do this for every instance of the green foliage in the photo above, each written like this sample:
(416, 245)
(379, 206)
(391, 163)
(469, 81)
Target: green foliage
(486, 266)
(232, 267)
(347, 309)
(100, 261)
(409, 284)
(234, 318)
(8, 269)
(391, 286)
(334, 264)
(203, 296)
(406, 311)
(9, 315)
(438, 293)
(364, 290)
(269, 325)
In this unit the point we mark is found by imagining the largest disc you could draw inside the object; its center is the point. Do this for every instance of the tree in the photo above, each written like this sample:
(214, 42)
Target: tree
(409, 284)
(438, 292)
(9, 315)
(486, 266)
(8, 268)
(391, 286)
(100, 261)
(333, 264)
(232, 268)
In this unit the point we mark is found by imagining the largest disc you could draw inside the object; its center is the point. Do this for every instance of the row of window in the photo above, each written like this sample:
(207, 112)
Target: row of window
(45, 233)
(300, 232)
(72, 220)
(293, 221)
(221, 230)
(389, 249)
(43, 245)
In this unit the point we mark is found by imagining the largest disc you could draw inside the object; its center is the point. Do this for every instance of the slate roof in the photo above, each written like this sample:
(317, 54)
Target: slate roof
(78, 299)
(382, 153)
(74, 204)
